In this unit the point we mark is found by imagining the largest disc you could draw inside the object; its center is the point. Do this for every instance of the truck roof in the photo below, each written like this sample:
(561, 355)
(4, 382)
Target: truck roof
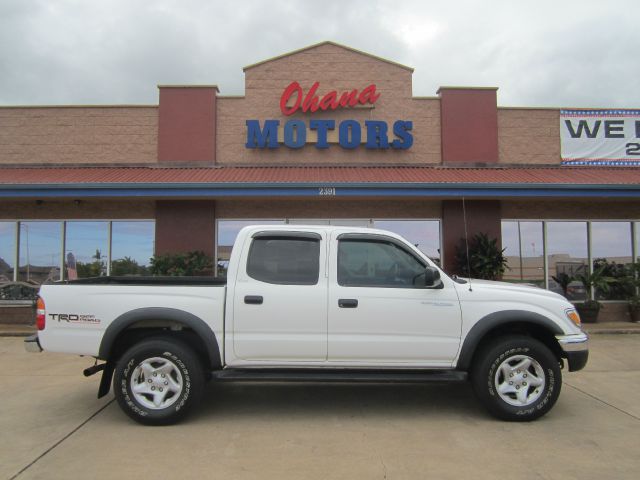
(318, 228)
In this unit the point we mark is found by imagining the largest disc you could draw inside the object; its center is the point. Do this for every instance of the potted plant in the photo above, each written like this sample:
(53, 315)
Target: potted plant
(485, 261)
(590, 308)
(618, 275)
(632, 283)
(564, 279)
(634, 308)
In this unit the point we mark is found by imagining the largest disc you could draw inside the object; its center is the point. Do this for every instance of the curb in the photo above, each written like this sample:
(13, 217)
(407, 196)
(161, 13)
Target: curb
(16, 331)
(614, 331)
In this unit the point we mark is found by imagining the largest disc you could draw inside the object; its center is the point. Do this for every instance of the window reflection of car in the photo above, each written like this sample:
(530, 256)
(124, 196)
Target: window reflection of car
(575, 290)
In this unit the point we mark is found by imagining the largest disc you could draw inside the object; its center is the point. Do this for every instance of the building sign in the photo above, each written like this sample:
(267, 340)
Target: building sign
(330, 101)
(600, 137)
(351, 134)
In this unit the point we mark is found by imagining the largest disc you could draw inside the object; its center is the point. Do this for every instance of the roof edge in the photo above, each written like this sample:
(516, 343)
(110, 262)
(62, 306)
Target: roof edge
(366, 166)
(327, 42)
(189, 86)
(461, 87)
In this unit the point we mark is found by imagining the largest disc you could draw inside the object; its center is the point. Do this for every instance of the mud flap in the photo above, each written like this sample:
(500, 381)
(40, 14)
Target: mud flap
(105, 381)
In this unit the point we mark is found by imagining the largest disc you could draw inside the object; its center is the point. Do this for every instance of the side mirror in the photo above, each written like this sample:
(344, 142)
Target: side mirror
(430, 278)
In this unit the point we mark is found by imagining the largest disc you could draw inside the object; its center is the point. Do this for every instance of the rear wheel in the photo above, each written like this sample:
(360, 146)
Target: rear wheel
(158, 381)
(516, 378)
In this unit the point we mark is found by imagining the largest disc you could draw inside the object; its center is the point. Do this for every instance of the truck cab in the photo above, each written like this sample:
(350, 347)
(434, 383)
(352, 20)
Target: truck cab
(340, 297)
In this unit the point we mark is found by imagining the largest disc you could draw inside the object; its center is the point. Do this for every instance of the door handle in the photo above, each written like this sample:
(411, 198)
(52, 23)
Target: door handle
(347, 302)
(253, 300)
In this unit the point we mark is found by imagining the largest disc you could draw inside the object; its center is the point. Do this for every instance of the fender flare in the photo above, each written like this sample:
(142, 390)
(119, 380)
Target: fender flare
(195, 323)
(495, 319)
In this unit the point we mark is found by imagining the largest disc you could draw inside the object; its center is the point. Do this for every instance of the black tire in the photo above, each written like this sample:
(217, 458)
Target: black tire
(144, 365)
(508, 387)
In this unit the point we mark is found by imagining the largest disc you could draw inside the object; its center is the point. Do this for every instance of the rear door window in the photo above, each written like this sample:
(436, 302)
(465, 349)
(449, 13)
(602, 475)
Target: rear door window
(284, 260)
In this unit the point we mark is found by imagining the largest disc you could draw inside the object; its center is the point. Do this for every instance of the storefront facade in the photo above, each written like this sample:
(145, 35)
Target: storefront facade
(326, 134)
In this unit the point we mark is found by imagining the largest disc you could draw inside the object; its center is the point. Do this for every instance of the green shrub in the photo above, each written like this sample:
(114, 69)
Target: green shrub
(486, 260)
(182, 264)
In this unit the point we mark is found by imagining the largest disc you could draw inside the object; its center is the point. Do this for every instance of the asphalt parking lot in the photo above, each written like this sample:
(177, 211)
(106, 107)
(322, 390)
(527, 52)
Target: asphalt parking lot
(54, 427)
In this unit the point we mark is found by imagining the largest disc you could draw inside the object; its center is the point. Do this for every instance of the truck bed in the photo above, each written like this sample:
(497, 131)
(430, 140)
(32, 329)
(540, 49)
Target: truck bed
(79, 312)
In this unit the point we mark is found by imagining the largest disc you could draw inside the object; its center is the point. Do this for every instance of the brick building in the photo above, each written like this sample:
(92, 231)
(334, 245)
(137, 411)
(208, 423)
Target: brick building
(100, 189)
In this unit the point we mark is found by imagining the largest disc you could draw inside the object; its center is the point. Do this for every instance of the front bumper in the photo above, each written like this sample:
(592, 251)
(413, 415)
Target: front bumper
(32, 344)
(575, 349)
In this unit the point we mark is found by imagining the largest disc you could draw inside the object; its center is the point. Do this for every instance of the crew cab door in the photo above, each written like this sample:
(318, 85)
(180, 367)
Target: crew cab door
(378, 313)
(280, 298)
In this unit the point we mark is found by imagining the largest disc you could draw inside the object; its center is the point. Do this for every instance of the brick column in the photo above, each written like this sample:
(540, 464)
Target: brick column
(469, 123)
(187, 124)
(184, 226)
(483, 216)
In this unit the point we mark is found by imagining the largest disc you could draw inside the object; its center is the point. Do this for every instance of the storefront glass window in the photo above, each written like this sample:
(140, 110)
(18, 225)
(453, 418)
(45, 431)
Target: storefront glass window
(636, 236)
(523, 246)
(86, 252)
(7, 250)
(87, 248)
(227, 232)
(40, 251)
(424, 234)
(132, 247)
(611, 254)
(308, 221)
(567, 255)
(511, 245)
(353, 222)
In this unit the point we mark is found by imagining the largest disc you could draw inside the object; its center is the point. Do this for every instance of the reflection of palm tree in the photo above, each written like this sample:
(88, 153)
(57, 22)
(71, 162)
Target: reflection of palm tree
(5, 268)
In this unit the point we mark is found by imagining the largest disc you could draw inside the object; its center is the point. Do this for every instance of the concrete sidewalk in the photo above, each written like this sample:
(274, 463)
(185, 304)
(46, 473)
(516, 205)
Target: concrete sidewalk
(54, 427)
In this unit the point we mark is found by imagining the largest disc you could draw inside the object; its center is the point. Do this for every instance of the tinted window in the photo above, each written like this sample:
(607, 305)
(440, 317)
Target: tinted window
(7, 250)
(132, 247)
(376, 264)
(40, 251)
(87, 249)
(522, 242)
(611, 253)
(567, 254)
(284, 260)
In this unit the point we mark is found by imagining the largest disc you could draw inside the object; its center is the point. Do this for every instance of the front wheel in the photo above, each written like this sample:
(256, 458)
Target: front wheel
(517, 378)
(158, 381)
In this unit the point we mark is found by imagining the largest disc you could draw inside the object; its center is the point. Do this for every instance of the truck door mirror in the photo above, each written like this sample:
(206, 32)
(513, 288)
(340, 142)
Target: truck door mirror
(430, 278)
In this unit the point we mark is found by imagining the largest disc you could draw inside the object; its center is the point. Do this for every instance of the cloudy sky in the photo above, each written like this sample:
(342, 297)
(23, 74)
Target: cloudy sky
(542, 53)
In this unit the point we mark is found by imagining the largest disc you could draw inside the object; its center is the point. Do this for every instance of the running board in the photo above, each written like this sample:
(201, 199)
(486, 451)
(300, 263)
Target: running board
(350, 376)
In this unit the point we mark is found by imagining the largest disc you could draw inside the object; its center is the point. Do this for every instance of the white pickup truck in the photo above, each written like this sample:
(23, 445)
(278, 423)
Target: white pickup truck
(314, 304)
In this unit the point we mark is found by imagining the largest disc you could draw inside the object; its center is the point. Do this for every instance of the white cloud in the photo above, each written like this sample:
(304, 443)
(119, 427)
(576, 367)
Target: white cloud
(546, 53)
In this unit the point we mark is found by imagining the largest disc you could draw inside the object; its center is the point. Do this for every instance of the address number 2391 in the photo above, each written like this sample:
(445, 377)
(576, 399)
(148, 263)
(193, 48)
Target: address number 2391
(327, 191)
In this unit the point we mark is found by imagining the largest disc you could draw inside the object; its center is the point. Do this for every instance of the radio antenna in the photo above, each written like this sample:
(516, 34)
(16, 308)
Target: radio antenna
(466, 241)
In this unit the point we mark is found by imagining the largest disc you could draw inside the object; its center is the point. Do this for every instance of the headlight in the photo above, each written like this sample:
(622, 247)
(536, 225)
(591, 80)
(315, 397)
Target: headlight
(573, 316)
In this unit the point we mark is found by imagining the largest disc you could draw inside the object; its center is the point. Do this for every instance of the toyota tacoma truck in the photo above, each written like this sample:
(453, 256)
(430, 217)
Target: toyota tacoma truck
(314, 304)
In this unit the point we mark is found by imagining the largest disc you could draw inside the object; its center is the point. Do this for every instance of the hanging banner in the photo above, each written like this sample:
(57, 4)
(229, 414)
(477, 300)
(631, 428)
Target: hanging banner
(600, 137)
